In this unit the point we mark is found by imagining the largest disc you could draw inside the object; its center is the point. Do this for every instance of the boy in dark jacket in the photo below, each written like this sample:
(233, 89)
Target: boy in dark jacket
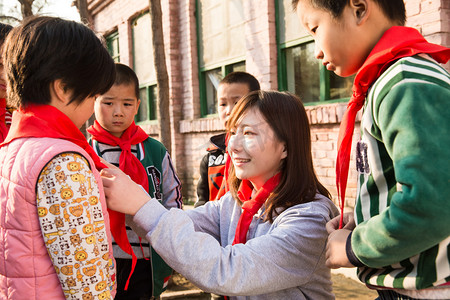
(211, 185)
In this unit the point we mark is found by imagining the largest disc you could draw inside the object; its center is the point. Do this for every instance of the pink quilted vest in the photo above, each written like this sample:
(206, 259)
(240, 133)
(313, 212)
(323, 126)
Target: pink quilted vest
(26, 271)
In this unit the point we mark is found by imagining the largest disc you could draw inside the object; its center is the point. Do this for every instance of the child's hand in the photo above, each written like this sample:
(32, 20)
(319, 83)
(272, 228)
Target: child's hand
(122, 193)
(336, 255)
(348, 221)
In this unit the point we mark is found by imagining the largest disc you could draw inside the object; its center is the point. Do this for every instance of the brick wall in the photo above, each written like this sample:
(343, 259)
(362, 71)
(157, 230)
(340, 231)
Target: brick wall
(260, 42)
(190, 132)
(324, 122)
(432, 19)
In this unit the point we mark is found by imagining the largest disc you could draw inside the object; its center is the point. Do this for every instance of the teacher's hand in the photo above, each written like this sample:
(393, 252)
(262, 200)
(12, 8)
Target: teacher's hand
(348, 222)
(122, 193)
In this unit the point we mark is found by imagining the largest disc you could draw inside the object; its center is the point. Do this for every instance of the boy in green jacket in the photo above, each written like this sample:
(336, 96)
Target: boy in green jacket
(119, 141)
(401, 239)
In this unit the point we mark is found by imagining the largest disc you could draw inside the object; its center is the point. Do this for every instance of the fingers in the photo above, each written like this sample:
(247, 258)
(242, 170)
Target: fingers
(110, 166)
(107, 179)
(111, 172)
(349, 221)
(333, 224)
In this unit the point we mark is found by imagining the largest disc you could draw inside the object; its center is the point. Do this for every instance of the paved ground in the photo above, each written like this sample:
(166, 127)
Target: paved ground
(345, 288)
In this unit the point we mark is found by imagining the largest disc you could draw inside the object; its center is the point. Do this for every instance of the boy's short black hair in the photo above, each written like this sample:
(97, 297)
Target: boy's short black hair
(4, 30)
(44, 49)
(393, 9)
(125, 75)
(242, 77)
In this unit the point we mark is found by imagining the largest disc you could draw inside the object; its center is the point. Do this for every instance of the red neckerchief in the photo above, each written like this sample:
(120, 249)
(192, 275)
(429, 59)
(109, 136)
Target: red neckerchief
(397, 42)
(48, 121)
(128, 162)
(250, 206)
(131, 165)
(3, 128)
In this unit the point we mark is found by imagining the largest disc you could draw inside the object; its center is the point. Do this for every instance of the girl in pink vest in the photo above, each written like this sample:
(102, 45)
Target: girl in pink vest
(54, 225)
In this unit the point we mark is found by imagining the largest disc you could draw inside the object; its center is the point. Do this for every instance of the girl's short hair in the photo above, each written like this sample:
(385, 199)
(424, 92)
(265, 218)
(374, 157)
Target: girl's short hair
(286, 115)
(392, 9)
(44, 49)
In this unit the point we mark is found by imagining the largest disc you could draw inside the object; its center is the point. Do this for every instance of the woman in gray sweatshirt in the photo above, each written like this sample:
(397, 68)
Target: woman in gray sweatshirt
(266, 237)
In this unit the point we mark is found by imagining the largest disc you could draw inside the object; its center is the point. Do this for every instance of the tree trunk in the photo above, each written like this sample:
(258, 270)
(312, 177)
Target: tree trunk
(25, 6)
(162, 77)
(85, 18)
(85, 15)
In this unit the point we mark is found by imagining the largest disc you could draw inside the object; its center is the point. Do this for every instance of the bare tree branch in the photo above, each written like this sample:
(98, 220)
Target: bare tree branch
(85, 15)
(39, 5)
(10, 18)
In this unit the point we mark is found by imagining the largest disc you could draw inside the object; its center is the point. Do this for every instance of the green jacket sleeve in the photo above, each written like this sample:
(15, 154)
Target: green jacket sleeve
(414, 121)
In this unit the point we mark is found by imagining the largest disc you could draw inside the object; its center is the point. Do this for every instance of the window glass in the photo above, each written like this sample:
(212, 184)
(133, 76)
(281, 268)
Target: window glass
(147, 108)
(302, 72)
(212, 79)
(290, 28)
(305, 76)
(112, 43)
(239, 67)
(299, 71)
(142, 49)
(221, 31)
(142, 114)
(340, 87)
(152, 103)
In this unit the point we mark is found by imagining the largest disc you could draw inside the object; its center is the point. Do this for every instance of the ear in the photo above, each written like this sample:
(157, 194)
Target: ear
(360, 10)
(59, 92)
(284, 153)
(137, 106)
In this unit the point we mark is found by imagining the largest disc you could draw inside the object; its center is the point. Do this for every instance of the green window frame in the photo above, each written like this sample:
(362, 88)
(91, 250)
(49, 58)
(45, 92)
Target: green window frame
(299, 72)
(220, 46)
(330, 88)
(144, 68)
(148, 107)
(112, 44)
(209, 81)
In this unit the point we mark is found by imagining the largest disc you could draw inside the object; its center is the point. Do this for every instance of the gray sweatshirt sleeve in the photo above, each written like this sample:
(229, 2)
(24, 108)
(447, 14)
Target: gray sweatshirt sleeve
(172, 197)
(287, 255)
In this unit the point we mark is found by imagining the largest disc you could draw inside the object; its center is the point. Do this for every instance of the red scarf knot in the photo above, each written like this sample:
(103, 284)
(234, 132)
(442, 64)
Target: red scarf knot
(128, 162)
(251, 206)
(397, 42)
(125, 146)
